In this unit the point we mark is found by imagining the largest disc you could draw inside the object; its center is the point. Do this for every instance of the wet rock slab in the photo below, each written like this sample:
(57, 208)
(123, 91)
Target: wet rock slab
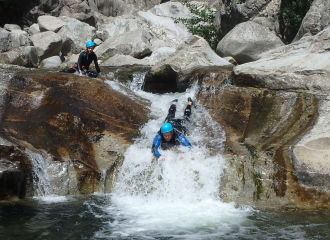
(63, 115)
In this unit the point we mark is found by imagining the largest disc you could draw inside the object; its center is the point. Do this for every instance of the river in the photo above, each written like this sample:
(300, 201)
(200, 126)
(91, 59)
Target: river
(174, 199)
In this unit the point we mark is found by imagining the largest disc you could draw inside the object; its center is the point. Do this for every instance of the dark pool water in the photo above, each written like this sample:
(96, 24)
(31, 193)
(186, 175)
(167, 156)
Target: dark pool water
(85, 218)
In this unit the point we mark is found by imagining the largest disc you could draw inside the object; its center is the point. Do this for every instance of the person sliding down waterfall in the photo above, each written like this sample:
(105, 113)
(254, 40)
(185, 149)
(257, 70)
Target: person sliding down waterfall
(172, 131)
(84, 60)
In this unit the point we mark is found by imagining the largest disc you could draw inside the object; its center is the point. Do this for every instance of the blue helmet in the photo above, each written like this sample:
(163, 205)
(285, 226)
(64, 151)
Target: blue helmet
(167, 127)
(90, 44)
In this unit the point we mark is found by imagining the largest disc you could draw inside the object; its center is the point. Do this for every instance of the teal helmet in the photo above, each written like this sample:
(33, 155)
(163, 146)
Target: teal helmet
(90, 44)
(167, 127)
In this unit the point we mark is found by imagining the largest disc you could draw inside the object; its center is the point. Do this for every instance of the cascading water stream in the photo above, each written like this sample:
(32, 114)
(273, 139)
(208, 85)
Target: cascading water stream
(172, 197)
(42, 184)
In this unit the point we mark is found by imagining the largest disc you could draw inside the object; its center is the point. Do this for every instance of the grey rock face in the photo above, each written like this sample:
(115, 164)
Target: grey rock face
(118, 25)
(122, 60)
(79, 10)
(11, 57)
(29, 54)
(118, 8)
(134, 43)
(23, 56)
(34, 29)
(48, 5)
(303, 65)
(47, 44)
(50, 23)
(10, 27)
(231, 13)
(4, 40)
(75, 35)
(247, 41)
(316, 19)
(51, 62)
(19, 38)
(173, 73)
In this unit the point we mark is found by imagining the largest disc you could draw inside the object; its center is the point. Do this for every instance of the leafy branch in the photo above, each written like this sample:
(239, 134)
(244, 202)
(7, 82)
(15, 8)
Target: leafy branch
(201, 23)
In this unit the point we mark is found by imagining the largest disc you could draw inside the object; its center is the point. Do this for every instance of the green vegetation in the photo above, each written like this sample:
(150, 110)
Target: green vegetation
(291, 15)
(201, 24)
(241, 1)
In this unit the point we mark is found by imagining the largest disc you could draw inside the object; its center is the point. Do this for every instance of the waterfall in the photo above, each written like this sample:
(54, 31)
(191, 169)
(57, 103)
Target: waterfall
(50, 180)
(173, 196)
(41, 180)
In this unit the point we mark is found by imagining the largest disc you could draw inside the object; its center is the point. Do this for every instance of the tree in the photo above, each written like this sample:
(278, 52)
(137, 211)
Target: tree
(291, 15)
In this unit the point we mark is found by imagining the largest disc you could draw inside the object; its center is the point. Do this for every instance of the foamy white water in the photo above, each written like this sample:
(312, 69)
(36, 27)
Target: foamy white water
(177, 198)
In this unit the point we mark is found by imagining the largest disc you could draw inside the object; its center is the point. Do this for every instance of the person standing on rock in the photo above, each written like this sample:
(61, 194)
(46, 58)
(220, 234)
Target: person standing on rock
(84, 60)
(172, 131)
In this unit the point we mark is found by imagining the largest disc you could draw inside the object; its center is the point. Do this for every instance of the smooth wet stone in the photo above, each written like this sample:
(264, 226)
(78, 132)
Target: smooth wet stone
(60, 114)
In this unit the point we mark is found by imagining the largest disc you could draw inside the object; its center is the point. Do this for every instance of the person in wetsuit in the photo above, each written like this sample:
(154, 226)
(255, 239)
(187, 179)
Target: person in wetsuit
(85, 59)
(172, 131)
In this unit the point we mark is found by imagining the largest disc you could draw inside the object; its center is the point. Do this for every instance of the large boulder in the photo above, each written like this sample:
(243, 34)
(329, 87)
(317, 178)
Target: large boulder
(316, 19)
(302, 65)
(19, 38)
(51, 62)
(231, 13)
(134, 43)
(173, 74)
(11, 57)
(118, 8)
(262, 128)
(50, 23)
(172, 9)
(5, 43)
(10, 27)
(74, 36)
(23, 56)
(157, 56)
(247, 41)
(29, 54)
(79, 10)
(165, 29)
(34, 29)
(70, 122)
(275, 119)
(124, 60)
(47, 43)
(114, 26)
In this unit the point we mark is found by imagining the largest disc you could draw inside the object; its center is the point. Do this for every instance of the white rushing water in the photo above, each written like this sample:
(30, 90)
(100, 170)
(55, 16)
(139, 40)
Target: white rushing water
(176, 198)
(43, 178)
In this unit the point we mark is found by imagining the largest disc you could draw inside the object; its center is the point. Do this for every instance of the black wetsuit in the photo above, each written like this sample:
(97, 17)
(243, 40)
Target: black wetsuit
(85, 60)
(83, 63)
(179, 129)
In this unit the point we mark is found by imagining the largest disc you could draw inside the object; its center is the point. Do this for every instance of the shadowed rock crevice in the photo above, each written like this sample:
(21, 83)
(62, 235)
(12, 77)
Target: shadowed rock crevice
(15, 173)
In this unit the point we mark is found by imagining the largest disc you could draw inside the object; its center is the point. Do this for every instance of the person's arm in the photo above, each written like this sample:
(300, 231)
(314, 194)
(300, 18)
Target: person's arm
(184, 141)
(79, 63)
(155, 145)
(97, 65)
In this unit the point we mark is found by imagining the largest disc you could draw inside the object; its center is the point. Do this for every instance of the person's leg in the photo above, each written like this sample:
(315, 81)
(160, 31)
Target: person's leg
(171, 111)
(91, 74)
(70, 70)
(187, 111)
